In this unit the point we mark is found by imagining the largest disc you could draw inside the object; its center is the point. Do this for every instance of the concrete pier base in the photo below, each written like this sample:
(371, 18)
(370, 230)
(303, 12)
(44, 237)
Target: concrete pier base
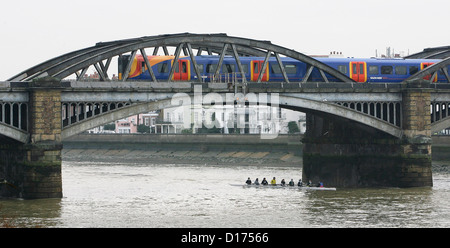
(33, 169)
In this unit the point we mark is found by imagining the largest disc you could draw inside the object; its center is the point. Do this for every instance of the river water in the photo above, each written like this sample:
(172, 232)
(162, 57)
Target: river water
(188, 195)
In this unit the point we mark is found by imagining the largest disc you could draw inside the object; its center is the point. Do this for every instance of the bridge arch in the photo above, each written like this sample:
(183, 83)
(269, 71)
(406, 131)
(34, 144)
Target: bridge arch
(440, 125)
(285, 101)
(14, 133)
(341, 112)
(101, 54)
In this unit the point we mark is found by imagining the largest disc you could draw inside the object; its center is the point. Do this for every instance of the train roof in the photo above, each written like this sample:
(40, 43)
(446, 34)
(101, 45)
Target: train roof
(377, 60)
(343, 60)
(335, 60)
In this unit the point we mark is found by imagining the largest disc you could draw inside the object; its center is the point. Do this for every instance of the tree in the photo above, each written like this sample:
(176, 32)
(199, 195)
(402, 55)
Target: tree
(293, 127)
(143, 129)
(111, 127)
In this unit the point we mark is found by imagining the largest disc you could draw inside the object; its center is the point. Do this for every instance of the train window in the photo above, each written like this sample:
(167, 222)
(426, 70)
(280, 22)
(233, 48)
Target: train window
(342, 69)
(290, 69)
(354, 68)
(255, 68)
(211, 68)
(400, 70)
(200, 68)
(413, 69)
(373, 70)
(228, 68)
(163, 68)
(386, 69)
(275, 69)
(245, 68)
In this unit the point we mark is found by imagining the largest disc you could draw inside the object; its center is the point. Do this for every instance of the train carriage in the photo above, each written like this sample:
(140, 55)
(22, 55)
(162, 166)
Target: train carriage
(372, 70)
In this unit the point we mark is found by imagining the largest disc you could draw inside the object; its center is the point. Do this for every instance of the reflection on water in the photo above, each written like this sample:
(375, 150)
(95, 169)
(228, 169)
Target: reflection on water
(148, 195)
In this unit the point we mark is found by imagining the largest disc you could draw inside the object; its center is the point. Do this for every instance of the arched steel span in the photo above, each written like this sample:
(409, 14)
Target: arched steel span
(101, 54)
(431, 53)
(432, 71)
(184, 99)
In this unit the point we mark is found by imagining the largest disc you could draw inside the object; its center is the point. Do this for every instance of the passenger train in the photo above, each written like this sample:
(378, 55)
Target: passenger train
(372, 70)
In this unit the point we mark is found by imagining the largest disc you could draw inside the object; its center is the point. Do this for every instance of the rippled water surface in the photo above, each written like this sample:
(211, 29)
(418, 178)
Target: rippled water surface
(169, 195)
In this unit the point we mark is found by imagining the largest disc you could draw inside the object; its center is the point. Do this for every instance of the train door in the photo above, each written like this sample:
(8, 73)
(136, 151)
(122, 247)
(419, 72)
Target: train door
(358, 71)
(425, 65)
(182, 72)
(256, 66)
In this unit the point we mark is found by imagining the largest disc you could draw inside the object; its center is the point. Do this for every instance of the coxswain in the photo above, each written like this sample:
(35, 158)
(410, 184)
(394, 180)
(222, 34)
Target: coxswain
(248, 182)
(283, 183)
(291, 183)
(256, 181)
(273, 182)
(264, 181)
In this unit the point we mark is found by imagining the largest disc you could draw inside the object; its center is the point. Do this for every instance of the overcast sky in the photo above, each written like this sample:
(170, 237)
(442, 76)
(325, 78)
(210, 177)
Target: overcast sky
(34, 31)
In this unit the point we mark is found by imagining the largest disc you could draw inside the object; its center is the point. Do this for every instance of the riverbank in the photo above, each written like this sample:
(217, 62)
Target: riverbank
(207, 149)
(185, 149)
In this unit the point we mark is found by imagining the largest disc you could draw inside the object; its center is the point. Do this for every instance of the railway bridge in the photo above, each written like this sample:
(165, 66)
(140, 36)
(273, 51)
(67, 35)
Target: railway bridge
(358, 135)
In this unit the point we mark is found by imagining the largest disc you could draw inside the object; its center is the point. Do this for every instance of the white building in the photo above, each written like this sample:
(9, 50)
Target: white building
(230, 119)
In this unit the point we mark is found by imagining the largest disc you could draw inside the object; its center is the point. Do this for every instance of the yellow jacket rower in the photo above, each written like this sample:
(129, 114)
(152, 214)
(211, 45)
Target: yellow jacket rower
(273, 182)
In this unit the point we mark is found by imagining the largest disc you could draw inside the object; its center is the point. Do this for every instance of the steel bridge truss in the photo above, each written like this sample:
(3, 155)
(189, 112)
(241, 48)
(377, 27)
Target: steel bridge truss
(431, 53)
(431, 72)
(101, 55)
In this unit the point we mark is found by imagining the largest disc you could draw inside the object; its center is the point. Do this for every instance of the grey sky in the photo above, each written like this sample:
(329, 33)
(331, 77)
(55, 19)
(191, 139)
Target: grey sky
(35, 31)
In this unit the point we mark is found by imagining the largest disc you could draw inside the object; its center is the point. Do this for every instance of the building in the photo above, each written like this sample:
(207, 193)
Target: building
(131, 123)
(228, 119)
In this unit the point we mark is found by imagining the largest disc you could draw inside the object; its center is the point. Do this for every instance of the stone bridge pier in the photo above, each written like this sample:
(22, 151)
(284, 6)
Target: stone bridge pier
(33, 169)
(344, 153)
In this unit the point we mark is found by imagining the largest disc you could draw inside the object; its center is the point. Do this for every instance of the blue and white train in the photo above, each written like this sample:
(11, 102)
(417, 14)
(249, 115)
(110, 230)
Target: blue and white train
(370, 70)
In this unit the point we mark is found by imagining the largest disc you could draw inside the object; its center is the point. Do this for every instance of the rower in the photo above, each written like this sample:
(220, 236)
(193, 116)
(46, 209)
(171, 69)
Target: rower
(248, 182)
(300, 183)
(264, 181)
(291, 183)
(256, 181)
(273, 182)
(283, 183)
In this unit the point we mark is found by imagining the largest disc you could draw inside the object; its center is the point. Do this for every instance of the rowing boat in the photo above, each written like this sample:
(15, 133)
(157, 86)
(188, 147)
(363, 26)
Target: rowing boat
(279, 186)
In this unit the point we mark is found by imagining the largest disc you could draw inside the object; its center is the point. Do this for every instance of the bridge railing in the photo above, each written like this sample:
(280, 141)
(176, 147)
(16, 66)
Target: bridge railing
(390, 112)
(233, 77)
(14, 114)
